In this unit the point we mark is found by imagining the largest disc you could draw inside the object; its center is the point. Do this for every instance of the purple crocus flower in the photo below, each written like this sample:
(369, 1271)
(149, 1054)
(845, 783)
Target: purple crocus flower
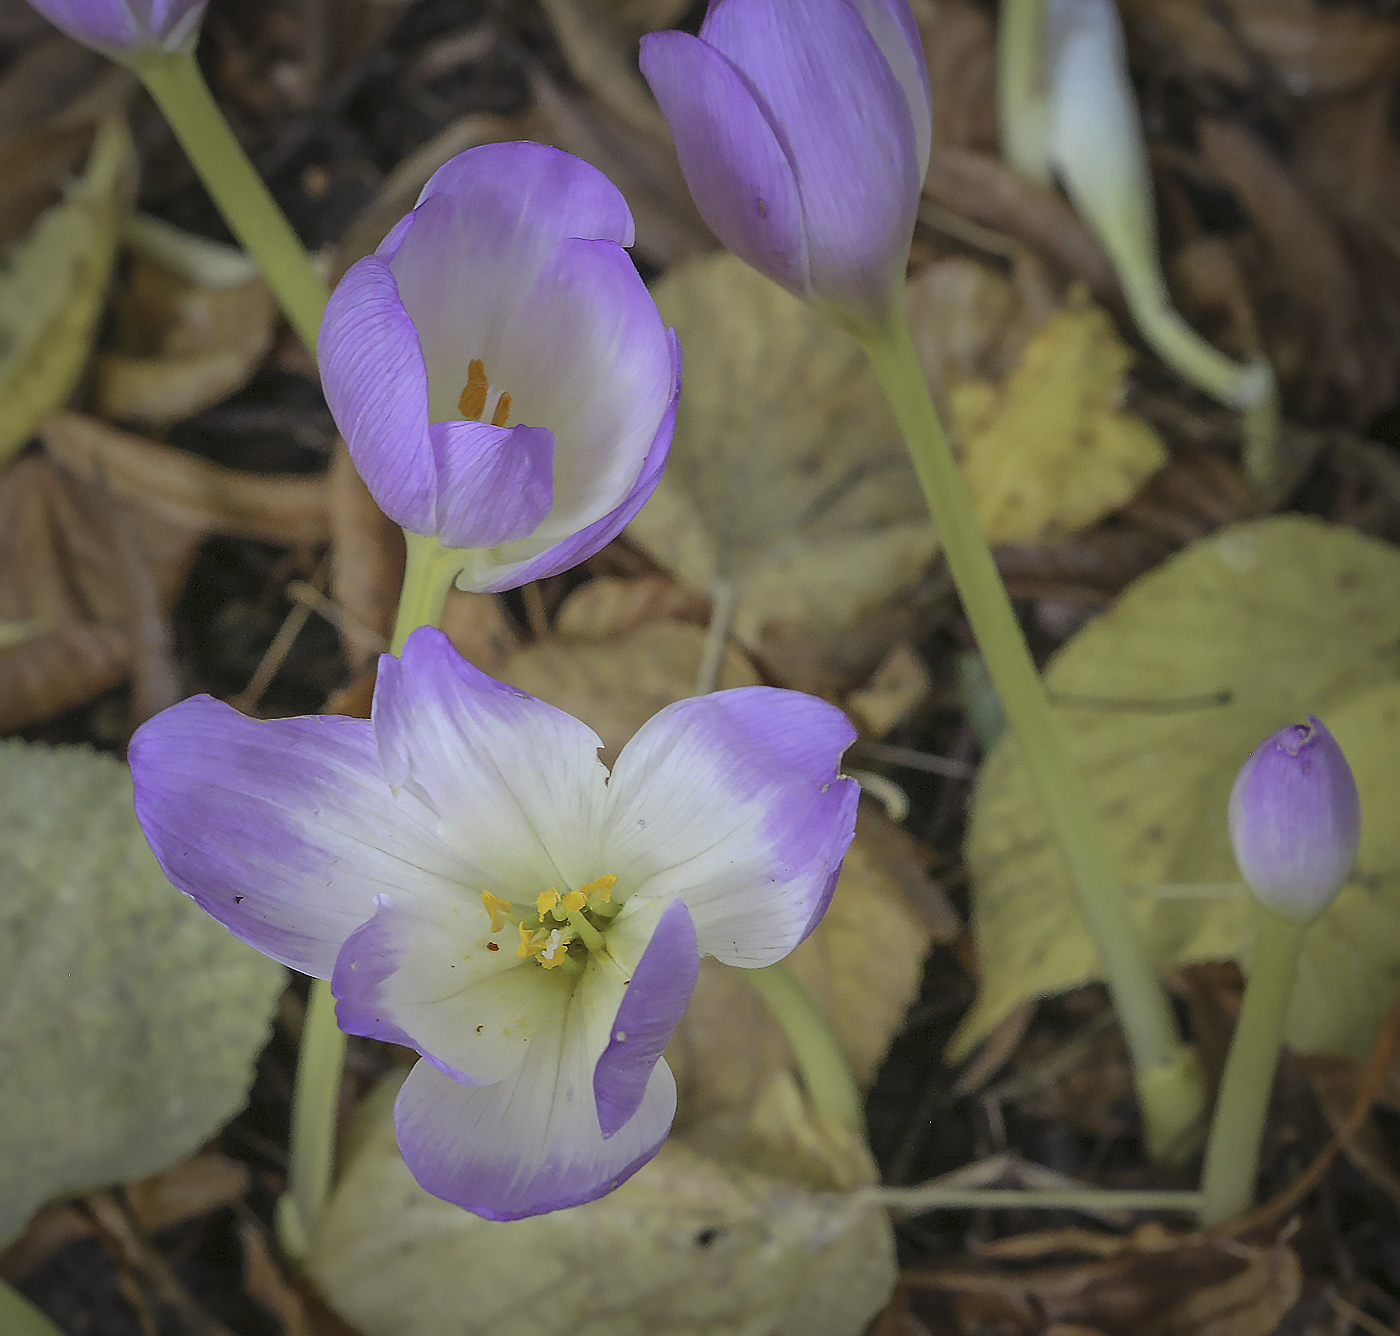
(498, 369)
(803, 129)
(477, 886)
(1295, 820)
(116, 27)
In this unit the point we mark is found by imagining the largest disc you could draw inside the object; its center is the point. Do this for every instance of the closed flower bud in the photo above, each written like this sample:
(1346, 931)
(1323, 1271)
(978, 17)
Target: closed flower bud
(121, 27)
(1295, 820)
(803, 129)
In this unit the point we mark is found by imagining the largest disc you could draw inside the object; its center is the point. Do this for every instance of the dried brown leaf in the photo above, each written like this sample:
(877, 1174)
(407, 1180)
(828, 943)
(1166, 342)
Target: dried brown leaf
(367, 558)
(201, 1184)
(185, 490)
(58, 670)
(611, 605)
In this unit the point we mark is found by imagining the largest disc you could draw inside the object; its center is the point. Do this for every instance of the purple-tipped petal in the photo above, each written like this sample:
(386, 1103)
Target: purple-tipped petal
(656, 998)
(421, 973)
(494, 484)
(734, 802)
(734, 156)
(516, 785)
(119, 26)
(283, 829)
(531, 1143)
(553, 193)
(377, 387)
(1295, 820)
(851, 134)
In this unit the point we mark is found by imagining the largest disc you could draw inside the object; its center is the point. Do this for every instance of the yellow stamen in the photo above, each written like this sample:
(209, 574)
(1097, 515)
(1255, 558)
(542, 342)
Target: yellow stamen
(498, 418)
(554, 950)
(573, 902)
(601, 887)
(545, 901)
(472, 404)
(498, 908)
(528, 945)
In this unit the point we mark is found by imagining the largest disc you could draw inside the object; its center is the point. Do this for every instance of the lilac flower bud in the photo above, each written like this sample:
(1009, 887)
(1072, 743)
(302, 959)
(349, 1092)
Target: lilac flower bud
(803, 130)
(1295, 820)
(116, 27)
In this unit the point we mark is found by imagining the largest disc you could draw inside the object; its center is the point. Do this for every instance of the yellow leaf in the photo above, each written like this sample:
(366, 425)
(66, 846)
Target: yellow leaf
(53, 285)
(1162, 699)
(1051, 450)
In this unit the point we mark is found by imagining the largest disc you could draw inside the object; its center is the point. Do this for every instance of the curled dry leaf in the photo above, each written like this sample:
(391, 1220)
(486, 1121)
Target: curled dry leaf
(787, 478)
(55, 283)
(367, 560)
(60, 669)
(132, 1019)
(610, 605)
(729, 1231)
(1051, 450)
(178, 347)
(1163, 698)
(1152, 1284)
(185, 490)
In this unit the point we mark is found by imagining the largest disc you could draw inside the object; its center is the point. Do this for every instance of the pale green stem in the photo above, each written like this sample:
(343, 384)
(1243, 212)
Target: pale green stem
(315, 1101)
(1237, 1131)
(173, 80)
(1023, 102)
(1169, 1082)
(19, 1317)
(428, 575)
(1096, 1201)
(825, 1071)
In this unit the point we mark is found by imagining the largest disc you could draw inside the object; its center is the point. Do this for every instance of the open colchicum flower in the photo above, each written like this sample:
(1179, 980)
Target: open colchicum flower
(475, 885)
(1295, 820)
(803, 130)
(115, 27)
(498, 369)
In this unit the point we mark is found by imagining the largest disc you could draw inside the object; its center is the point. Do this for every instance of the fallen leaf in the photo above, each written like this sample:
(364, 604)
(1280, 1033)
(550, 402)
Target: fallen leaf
(367, 560)
(132, 1018)
(616, 685)
(53, 286)
(59, 669)
(203, 1183)
(1161, 699)
(709, 1239)
(178, 347)
(897, 688)
(609, 605)
(1051, 450)
(787, 478)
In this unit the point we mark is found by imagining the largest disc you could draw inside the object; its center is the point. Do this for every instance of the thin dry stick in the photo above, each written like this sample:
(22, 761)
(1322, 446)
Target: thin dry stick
(276, 653)
(1372, 1082)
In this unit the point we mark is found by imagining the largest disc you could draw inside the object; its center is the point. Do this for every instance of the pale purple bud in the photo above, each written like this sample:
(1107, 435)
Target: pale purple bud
(120, 27)
(803, 130)
(1295, 820)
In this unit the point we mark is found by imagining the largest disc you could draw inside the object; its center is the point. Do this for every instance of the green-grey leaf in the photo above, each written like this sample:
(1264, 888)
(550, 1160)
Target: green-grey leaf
(129, 1019)
(53, 285)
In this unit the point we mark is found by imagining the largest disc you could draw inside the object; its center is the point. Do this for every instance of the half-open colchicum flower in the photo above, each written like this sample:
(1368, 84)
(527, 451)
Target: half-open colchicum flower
(803, 130)
(498, 369)
(477, 886)
(1295, 820)
(116, 27)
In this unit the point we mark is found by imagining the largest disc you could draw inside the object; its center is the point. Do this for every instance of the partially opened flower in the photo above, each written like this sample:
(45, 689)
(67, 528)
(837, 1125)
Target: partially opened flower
(1295, 820)
(476, 885)
(803, 129)
(499, 371)
(116, 27)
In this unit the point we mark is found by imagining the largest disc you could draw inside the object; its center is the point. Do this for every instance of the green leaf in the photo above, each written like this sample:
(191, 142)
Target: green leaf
(53, 286)
(129, 1019)
(787, 475)
(747, 1231)
(1162, 699)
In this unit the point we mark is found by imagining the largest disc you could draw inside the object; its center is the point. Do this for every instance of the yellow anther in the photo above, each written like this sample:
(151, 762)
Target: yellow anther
(574, 901)
(498, 418)
(498, 908)
(601, 887)
(472, 404)
(531, 941)
(545, 901)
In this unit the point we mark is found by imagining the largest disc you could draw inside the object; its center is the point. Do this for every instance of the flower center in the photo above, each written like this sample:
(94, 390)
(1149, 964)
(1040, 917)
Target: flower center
(564, 929)
(477, 394)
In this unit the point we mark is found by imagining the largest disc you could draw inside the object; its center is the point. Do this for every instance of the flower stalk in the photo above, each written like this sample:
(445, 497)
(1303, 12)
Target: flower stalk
(1237, 1130)
(174, 81)
(1023, 98)
(1169, 1082)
